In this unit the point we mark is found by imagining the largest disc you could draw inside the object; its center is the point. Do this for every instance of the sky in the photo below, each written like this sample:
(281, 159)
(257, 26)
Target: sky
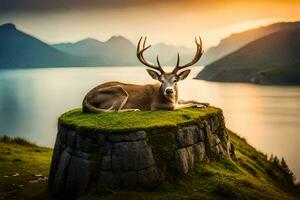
(169, 21)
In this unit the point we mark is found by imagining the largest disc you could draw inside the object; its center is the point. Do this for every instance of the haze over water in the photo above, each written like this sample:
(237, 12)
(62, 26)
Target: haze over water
(267, 116)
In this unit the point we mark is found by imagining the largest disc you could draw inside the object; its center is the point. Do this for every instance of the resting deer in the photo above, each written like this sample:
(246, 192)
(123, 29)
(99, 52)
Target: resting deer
(116, 96)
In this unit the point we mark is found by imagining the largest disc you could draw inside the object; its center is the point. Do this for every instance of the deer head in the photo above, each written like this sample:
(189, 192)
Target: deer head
(168, 80)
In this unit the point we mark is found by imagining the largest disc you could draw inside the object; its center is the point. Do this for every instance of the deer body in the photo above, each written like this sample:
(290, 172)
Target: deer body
(117, 96)
(141, 97)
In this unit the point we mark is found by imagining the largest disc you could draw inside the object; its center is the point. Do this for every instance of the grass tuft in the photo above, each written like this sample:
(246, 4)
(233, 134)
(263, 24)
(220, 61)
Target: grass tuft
(16, 140)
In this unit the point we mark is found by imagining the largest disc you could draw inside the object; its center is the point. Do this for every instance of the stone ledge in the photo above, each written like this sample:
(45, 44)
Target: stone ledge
(136, 158)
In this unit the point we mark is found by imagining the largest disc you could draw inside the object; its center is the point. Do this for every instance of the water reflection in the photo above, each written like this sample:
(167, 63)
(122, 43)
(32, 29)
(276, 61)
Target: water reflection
(267, 116)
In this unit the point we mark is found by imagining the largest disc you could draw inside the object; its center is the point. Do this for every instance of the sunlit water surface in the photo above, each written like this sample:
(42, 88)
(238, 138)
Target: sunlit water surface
(267, 116)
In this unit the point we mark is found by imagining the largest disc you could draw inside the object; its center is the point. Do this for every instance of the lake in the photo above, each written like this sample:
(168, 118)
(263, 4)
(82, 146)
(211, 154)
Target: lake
(267, 116)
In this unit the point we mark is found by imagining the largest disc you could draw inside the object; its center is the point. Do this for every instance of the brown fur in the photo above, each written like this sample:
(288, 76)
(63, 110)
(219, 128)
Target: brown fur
(142, 97)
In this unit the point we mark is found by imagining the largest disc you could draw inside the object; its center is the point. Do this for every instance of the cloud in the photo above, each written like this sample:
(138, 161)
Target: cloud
(49, 6)
(32, 6)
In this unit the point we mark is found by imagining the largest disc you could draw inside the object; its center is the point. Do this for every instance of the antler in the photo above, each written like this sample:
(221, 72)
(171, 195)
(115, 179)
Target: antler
(197, 56)
(139, 54)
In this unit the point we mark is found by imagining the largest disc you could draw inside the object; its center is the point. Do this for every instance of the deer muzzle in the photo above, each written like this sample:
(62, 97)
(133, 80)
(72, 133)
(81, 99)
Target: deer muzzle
(169, 91)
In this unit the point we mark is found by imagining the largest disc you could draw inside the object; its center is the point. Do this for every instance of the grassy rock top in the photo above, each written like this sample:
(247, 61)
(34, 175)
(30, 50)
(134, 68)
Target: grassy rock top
(115, 122)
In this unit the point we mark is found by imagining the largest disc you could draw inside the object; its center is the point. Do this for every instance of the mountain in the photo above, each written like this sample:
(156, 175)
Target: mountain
(20, 50)
(237, 40)
(116, 51)
(273, 59)
(120, 51)
(86, 47)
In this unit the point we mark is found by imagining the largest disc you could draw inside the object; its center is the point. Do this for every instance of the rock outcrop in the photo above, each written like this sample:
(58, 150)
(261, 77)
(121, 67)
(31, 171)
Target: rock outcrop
(84, 160)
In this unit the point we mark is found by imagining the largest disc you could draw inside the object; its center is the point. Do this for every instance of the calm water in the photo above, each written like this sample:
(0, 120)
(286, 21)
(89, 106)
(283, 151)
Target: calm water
(267, 116)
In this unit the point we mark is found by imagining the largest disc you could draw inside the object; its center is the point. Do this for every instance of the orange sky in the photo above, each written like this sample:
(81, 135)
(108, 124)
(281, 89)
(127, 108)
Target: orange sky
(175, 22)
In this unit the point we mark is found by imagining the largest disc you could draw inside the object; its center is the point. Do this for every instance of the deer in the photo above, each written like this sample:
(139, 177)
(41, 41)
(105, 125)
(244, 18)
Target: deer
(123, 97)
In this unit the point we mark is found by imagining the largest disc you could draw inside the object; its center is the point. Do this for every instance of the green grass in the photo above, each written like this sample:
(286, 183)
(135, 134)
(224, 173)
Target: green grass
(252, 177)
(16, 140)
(130, 121)
(19, 156)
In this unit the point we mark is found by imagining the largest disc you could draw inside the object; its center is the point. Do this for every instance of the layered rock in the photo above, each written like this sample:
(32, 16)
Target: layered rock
(84, 161)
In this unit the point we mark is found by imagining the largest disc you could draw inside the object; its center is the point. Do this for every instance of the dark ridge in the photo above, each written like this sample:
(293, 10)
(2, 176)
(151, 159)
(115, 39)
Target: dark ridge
(273, 59)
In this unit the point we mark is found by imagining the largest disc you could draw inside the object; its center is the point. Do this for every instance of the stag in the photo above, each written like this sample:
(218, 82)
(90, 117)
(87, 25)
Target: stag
(122, 97)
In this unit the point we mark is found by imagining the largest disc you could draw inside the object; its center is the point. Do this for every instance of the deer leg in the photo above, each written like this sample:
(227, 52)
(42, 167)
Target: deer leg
(120, 95)
(197, 104)
(129, 110)
(124, 102)
(188, 105)
(107, 99)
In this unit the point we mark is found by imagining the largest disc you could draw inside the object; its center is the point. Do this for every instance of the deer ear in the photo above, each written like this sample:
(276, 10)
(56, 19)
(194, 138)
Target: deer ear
(184, 74)
(153, 74)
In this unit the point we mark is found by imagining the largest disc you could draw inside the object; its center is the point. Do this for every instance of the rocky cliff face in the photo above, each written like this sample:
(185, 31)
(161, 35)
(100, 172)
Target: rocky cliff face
(84, 161)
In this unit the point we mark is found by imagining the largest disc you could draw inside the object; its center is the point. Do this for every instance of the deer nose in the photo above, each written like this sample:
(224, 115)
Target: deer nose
(169, 91)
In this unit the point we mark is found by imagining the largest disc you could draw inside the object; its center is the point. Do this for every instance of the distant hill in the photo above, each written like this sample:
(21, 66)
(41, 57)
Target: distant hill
(116, 51)
(20, 50)
(120, 51)
(237, 40)
(273, 59)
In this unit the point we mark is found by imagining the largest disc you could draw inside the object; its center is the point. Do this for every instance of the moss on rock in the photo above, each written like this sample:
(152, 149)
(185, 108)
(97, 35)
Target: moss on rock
(116, 122)
(163, 147)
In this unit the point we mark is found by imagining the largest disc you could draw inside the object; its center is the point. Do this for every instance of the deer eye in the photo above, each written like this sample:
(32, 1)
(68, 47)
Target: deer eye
(162, 81)
(175, 80)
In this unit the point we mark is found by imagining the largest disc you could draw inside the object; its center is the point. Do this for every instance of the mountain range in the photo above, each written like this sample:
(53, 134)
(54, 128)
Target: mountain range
(168, 53)
(115, 51)
(273, 59)
(21, 50)
(120, 51)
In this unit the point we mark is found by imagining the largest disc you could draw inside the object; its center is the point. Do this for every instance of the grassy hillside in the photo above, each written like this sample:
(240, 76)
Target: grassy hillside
(252, 177)
(274, 59)
(23, 168)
